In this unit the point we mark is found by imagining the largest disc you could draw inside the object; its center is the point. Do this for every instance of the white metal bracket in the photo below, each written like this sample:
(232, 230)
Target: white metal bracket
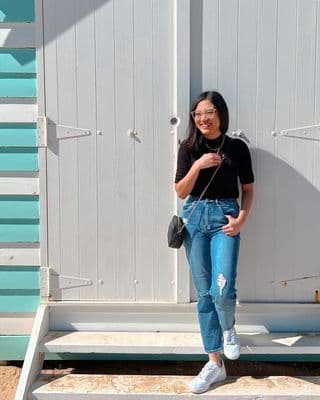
(52, 283)
(47, 127)
(311, 132)
(65, 132)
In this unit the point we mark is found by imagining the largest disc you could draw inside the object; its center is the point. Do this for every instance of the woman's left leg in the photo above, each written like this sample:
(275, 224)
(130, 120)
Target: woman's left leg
(224, 258)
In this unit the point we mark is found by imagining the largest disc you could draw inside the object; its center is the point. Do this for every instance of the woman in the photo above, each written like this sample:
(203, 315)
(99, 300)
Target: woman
(213, 225)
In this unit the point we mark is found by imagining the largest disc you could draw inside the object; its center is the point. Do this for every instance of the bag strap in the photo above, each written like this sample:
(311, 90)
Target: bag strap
(205, 189)
(201, 195)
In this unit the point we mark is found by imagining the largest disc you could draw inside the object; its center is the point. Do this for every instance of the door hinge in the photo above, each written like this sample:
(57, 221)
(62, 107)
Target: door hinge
(52, 283)
(47, 128)
(311, 132)
(42, 129)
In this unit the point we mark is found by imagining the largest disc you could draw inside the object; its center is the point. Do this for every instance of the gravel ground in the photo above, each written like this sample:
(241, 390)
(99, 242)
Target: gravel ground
(9, 374)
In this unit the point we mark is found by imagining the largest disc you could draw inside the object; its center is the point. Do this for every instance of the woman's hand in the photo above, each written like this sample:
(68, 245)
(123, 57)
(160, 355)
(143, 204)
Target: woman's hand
(233, 226)
(208, 160)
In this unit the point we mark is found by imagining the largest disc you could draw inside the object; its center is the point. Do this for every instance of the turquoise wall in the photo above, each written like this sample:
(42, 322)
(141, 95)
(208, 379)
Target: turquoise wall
(19, 214)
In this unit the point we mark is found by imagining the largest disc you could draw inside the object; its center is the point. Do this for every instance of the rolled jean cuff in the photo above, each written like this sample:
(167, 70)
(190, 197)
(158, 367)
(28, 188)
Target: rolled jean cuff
(214, 350)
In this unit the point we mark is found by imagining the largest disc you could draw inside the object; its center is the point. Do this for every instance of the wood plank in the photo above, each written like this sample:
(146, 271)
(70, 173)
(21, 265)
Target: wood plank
(266, 163)
(50, 103)
(19, 256)
(18, 113)
(33, 360)
(19, 186)
(210, 49)
(87, 166)
(19, 233)
(174, 342)
(18, 85)
(227, 59)
(305, 248)
(43, 152)
(246, 120)
(316, 117)
(13, 347)
(15, 11)
(181, 95)
(171, 317)
(106, 151)
(285, 119)
(19, 159)
(19, 300)
(19, 207)
(19, 278)
(68, 149)
(18, 135)
(17, 35)
(18, 61)
(144, 150)
(165, 274)
(15, 324)
(125, 168)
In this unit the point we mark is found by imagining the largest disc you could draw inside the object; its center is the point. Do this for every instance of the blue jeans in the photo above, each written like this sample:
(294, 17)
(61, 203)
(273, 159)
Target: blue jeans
(213, 257)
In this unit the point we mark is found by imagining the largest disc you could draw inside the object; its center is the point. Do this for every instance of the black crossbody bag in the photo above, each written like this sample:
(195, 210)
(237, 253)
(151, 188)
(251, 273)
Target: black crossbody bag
(176, 229)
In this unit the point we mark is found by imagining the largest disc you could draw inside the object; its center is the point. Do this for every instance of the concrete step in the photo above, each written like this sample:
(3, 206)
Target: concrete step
(174, 343)
(94, 387)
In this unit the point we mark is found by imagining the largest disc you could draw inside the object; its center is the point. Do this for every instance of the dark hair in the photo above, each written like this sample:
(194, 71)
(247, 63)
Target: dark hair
(194, 136)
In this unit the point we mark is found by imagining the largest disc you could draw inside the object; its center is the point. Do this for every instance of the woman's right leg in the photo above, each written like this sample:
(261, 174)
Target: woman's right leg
(198, 254)
(197, 246)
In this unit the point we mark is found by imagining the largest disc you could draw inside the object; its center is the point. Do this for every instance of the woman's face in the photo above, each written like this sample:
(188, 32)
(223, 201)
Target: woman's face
(207, 119)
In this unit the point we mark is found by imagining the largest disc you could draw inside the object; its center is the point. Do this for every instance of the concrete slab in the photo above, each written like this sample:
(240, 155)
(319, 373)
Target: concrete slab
(172, 387)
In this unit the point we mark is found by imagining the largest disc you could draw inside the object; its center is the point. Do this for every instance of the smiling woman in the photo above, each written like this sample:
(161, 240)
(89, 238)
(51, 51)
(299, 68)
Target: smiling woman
(213, 225)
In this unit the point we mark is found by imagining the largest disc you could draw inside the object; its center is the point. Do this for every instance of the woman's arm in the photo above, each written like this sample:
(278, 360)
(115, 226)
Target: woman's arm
(185, 185)
(234, 225)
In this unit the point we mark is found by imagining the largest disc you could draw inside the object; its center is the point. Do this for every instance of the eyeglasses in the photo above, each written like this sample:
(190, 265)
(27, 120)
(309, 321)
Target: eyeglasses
(209, 113)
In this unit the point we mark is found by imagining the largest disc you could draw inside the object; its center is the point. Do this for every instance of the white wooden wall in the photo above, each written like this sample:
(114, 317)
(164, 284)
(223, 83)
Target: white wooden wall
(264, 56)
(115, 65)
(108, 68)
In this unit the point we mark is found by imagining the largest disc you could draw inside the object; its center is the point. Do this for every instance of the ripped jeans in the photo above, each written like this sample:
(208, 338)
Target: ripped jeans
(213, 257)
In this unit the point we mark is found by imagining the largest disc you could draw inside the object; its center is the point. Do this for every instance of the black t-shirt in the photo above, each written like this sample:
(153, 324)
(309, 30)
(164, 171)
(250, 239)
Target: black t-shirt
(237, 163)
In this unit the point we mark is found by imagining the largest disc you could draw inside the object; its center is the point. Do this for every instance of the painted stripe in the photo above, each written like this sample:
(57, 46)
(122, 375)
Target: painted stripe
(19, 278)
(19, 186)
(17, 35)
(13, 347)
(19, 207)
(19, 232)
(18, 135)
(18, 85)
(18, 61)
(18, 159)
(19, 300)
(18, 113)
(17, 10)
(19, 256)
(16, 323)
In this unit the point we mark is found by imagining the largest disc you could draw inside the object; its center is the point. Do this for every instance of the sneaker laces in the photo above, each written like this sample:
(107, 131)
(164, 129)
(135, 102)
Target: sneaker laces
(207, 371)
(231, 336)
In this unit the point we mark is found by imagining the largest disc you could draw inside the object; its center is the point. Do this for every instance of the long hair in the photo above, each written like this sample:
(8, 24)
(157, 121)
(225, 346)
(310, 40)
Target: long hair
(194, 136)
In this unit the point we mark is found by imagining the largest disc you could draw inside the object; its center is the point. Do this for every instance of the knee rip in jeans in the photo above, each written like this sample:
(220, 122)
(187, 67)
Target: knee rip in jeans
(221, 282)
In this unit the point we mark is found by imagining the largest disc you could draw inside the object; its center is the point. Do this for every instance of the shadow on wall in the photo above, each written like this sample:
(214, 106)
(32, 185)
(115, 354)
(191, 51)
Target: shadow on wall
(279, 258)
(77, 10)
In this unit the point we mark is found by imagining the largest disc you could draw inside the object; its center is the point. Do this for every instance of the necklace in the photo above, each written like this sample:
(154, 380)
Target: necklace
(216, 150)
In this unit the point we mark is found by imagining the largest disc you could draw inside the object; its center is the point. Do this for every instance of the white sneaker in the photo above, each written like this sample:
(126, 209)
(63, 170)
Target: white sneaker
(231, 344)
(211, 373)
